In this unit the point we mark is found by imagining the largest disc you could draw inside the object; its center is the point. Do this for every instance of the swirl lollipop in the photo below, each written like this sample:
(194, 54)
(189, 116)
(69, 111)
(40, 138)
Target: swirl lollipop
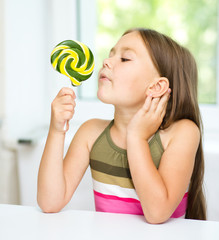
(73, 59)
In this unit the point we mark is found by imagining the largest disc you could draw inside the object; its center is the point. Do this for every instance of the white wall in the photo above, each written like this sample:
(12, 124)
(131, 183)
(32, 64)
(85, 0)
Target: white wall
(25, 61)
(29, 31)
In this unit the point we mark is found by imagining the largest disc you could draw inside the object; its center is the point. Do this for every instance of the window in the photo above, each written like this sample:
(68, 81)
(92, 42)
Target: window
(191, 23)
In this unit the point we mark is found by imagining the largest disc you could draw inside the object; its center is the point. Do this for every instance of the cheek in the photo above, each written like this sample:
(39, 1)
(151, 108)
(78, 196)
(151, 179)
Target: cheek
(138, 88)
(133, 93)
(137, 85)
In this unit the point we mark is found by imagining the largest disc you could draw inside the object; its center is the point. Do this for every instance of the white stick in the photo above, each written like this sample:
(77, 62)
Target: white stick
(65, 126)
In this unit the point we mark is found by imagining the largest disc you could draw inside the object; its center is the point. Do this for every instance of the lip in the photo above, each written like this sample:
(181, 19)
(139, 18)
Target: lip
(104, 77)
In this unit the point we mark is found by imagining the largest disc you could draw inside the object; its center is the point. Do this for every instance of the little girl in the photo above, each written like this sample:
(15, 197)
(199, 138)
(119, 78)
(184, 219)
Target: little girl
(149, 159)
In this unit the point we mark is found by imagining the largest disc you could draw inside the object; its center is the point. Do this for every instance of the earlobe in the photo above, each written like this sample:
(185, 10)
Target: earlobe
(158, 87)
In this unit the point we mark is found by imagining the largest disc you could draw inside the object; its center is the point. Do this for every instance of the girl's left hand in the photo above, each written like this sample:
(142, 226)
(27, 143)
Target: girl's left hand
(149, 118)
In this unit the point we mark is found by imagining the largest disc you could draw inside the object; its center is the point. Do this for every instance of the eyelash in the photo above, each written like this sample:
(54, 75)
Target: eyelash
(125, 59)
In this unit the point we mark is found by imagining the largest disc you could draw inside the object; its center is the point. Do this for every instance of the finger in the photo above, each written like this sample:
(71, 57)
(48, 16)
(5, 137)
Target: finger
(163, 103)
(154, 104)
(67, 115)
(164, 110)
(147, 103)
(67, 99)
(163, 113)
(66, 91)
(69, 107)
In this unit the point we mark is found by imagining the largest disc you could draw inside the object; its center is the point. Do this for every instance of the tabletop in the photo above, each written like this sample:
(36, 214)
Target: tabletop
(23, 222)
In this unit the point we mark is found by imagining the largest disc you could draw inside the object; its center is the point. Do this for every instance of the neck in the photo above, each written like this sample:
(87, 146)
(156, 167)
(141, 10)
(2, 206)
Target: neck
(118, 131)
(122, 118)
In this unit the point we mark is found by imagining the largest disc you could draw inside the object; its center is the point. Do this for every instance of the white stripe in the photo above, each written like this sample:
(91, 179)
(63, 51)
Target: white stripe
(114, 190)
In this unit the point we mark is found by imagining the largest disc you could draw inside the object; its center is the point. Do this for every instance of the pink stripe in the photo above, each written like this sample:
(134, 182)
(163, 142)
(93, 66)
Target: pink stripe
(113, 204)
(181, 209)
(112, 197)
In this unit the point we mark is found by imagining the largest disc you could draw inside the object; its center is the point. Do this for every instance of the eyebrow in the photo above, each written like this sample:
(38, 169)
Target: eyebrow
(113, 50)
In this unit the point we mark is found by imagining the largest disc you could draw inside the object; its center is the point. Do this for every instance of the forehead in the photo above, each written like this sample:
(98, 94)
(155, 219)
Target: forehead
(131, 41)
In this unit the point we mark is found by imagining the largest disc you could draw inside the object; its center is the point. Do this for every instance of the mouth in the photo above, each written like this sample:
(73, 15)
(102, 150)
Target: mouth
(104, 77)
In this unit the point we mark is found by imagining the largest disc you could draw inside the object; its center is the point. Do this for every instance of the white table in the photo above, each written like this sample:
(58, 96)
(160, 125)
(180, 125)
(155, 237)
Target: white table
(20, 222)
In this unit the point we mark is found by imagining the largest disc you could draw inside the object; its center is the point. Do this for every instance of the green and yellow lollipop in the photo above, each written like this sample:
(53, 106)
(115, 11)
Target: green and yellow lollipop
(73, 59)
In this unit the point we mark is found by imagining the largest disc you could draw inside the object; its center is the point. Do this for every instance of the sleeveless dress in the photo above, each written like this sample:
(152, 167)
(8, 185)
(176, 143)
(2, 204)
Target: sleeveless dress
(113, 187)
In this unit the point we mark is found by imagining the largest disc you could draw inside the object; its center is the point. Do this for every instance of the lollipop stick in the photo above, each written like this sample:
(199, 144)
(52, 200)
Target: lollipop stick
(65, 126)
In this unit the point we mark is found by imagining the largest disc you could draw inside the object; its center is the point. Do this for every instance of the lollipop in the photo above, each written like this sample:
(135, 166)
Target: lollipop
(73, 59)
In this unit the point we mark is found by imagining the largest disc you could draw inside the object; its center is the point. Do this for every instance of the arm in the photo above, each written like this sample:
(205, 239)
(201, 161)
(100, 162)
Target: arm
(160, 191)
(57, 180)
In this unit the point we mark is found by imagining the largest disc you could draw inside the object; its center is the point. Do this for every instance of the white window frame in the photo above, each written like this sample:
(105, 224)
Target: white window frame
(210, 112)
(87, 23)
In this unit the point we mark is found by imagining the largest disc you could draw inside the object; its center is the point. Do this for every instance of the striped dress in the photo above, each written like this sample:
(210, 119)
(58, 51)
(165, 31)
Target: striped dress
(112, 182)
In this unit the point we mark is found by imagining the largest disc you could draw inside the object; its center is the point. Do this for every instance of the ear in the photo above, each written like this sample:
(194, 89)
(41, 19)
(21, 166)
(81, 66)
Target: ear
(158, 87)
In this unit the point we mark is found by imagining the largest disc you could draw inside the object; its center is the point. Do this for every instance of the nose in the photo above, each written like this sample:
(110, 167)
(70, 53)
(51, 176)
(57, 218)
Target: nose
(107, 63)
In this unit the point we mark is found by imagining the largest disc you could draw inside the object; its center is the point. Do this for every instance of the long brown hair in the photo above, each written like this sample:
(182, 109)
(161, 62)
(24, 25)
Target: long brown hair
(178, 65)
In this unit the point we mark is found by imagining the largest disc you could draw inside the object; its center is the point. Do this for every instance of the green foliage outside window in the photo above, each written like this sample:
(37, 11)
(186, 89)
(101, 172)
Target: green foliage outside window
(192, 23)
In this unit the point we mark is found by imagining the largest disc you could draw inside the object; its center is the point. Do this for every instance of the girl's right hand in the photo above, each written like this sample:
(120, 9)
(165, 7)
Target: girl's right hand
(62, 110)
(149, 118)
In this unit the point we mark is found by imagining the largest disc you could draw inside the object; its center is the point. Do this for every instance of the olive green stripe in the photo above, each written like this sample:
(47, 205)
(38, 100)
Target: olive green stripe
(81, 57)
(60, 59)
(90, 60)
(113, 180)
(109, 169)
(102, 151)
(55, 55)
(156, 149)
(71, 44)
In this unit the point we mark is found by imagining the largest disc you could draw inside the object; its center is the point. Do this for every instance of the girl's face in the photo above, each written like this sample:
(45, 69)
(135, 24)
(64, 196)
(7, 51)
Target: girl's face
(126, 73)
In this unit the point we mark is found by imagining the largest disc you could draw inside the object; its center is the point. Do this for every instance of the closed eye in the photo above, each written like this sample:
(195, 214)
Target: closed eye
(125, 59)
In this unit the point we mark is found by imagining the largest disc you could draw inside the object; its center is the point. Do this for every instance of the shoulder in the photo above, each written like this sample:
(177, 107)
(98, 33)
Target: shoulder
(185, 126)
(91, 130)
(95, 125)
(183, 131)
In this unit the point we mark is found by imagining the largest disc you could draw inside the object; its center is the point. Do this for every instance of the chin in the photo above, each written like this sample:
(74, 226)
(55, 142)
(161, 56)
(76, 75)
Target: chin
(103, 97)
